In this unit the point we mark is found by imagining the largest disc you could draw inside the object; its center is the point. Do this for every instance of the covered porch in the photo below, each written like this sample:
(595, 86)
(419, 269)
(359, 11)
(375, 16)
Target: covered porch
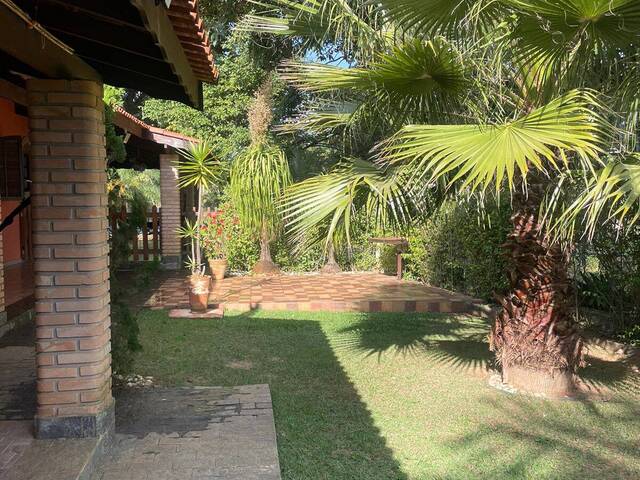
(51, 83)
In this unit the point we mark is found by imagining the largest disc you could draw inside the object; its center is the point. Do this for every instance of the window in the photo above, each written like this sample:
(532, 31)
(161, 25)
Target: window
(11, 167)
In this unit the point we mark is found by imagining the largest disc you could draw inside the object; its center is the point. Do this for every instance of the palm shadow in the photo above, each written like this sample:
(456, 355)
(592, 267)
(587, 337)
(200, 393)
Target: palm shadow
(459, 342)
(527, 435)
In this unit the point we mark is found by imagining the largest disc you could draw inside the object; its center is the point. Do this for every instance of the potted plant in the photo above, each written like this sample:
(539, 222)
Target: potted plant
(199, 283)
(214, 235)
(200, 170)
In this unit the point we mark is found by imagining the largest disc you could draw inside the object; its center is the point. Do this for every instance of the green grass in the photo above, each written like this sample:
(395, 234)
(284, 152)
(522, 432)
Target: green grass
(384, 396)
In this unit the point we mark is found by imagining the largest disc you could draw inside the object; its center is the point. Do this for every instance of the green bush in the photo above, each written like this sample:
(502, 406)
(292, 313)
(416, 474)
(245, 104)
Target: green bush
(607, 278)
(457, 250)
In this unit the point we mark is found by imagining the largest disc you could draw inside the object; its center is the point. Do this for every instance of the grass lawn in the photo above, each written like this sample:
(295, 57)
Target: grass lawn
(385, 396)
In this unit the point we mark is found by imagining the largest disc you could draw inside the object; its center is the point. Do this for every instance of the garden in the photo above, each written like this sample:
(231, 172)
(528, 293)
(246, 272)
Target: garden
(499, 142)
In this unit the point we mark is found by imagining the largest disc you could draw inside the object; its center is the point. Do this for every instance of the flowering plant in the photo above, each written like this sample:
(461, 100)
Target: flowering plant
(215, 232)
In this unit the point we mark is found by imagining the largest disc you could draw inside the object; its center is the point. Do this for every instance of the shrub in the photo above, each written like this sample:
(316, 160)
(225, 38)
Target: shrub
(456, 250)
(607, 278)
(124, 337)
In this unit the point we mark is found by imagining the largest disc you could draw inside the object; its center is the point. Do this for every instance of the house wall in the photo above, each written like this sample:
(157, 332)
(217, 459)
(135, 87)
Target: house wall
(3, 314)
(169, 211)
(12, 124)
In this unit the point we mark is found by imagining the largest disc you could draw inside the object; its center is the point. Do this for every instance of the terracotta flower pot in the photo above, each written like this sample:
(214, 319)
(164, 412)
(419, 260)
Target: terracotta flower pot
(218, 268)
(199, 292)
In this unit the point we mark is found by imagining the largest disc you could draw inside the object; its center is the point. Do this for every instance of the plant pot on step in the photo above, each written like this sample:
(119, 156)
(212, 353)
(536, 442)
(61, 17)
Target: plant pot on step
(218, 267)
(199, 292)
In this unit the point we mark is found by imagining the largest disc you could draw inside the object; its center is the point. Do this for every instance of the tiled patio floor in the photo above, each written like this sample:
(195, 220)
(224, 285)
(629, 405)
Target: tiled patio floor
(354, 292)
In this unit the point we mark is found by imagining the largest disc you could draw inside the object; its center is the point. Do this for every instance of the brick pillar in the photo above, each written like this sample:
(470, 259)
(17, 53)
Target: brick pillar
(3, 313)
(69, 202)
(169, 211)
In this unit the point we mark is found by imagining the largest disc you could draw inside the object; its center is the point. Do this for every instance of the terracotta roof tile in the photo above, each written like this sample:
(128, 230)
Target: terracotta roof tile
(190, 30)
(137, 127)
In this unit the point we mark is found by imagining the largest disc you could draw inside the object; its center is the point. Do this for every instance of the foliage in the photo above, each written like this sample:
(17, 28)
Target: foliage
(455, 250)
(222, 121)
(116, 152)
(216, 231)
(124, 337)
(199, 169)
(612, 285)
(131, 183)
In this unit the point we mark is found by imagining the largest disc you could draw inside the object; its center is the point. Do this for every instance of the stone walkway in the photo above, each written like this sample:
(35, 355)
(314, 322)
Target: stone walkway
(345, 292)
(193, 433)
(18, 374)
(22, 457)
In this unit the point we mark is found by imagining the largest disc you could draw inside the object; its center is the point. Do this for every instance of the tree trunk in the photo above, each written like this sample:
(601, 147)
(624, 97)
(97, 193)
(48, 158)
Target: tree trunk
(535, 338)
(265, 266)
(332, 265)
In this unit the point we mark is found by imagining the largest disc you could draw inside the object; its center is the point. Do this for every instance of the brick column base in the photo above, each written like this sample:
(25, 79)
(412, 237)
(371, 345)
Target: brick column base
(169, 212)
(69, 201)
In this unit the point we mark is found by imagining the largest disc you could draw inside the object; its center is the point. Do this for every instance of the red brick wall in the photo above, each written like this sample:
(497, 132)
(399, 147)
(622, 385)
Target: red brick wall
(170, 206)
(69, 202)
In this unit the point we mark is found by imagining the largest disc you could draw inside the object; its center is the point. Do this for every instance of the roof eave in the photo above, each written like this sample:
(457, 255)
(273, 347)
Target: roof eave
(157, 22)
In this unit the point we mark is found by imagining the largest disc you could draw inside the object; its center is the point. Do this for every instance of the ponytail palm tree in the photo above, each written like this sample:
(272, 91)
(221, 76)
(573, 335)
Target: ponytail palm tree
(478, 97)
(258, 179)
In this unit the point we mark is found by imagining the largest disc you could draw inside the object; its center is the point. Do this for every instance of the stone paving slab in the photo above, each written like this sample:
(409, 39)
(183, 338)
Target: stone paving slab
(17, 382)
(22, 457)
(196, 433)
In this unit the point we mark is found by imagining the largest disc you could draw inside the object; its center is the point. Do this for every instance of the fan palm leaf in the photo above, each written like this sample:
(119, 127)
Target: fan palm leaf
(352, 24)
(483, 155)
(613, 193)
(448, 17)
(325, 204)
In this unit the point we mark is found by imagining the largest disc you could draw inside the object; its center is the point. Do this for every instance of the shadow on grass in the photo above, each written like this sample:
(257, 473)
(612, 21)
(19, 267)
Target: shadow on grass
(536, 435)
(324, 429)
(461, 342)
(456, 341)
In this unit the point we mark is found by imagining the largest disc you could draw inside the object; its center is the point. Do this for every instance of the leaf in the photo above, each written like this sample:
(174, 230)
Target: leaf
(613, 193)
(481, 155)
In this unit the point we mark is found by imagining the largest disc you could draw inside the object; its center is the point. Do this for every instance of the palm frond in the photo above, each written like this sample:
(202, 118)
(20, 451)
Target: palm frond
(446, 17)
(481, 155)
(350, 24)
(326, 203)
(613, 193)
(566, 40)
(258, 179)
(198, 167)
(413, 69)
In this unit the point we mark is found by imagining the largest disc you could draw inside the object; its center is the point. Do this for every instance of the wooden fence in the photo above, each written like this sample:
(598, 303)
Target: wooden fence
(145, 241)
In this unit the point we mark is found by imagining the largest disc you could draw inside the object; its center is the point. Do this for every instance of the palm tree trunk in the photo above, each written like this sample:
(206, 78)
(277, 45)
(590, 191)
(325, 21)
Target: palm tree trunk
(332, 264)
(535, 337)
(265, 250)
(265, 266)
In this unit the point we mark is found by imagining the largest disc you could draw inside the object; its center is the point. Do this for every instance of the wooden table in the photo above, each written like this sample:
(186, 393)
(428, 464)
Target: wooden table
(401, 244)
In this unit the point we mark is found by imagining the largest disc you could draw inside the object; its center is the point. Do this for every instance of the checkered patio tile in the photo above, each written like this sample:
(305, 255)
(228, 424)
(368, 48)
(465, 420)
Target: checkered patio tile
(345, 292)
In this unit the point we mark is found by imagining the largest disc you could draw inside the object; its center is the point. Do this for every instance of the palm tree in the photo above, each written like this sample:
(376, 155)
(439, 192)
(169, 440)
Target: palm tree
(258, 179)
(482, 97)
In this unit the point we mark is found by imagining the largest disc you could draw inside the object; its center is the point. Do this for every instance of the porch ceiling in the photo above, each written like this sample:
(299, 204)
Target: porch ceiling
(136, 44)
